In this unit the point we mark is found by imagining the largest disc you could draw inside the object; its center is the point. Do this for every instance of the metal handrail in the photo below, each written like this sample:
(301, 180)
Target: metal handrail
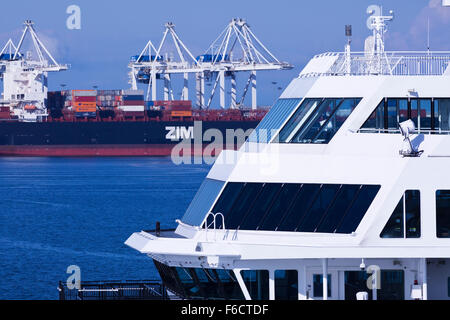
(402, 63)
(395, 131)
(214, 224)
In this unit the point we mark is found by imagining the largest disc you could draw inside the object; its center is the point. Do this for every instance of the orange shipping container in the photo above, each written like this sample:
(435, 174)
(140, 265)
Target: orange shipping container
(181, 113)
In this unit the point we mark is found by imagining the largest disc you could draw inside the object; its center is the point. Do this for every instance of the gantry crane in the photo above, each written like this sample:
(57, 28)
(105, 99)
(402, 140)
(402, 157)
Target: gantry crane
(151, 65)
(25, 83)
(237, 49)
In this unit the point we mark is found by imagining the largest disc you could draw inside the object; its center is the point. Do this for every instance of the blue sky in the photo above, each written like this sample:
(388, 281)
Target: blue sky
(112, 31)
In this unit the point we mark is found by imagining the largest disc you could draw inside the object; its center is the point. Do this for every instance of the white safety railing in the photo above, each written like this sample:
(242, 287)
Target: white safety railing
(213, 224)
(389, 63)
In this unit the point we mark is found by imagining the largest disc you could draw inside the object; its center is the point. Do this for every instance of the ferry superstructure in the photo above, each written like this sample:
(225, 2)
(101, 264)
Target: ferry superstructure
(342, 192)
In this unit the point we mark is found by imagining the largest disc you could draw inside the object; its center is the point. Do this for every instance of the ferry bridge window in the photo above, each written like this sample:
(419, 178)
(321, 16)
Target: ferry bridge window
(273, 121)
(281, 203)
(429, 115)
(317, 120)
(405, 220)
(325, 208)
(442, 114)
(262, 204)
(286, 285)
(443, 213)
(257, 283)
(298, 119)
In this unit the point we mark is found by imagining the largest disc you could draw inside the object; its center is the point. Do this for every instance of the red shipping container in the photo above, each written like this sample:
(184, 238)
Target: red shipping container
(181, 108)
(133, 103)
(84, 99)
(133, 114)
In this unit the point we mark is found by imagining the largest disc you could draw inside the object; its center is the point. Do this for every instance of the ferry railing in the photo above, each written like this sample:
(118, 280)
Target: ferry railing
(114, 290)
(396, 63)
(397, 131)
(214, 224)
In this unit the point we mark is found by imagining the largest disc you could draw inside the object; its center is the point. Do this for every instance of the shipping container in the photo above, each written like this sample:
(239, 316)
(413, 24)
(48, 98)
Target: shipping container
(5, 115)
(86, 114)
(181, 113)
(132, 92)
(133, 103)
(84, 99)
(84, 93)
(135, 108)
(133, 97)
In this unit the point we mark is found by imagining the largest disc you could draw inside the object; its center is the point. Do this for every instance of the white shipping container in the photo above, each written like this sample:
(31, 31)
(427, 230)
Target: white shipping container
(85, 93)
(133, 92)
(132, 108)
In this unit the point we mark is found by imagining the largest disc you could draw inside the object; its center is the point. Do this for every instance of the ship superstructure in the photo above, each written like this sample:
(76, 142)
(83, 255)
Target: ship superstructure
(342, 192)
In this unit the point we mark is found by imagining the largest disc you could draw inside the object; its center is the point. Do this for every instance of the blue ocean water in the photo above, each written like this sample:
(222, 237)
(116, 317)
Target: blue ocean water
(57, 212)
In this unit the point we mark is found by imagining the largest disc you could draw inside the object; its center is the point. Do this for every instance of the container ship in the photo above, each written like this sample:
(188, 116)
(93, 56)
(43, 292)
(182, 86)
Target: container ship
(36, 122)
(115, 123)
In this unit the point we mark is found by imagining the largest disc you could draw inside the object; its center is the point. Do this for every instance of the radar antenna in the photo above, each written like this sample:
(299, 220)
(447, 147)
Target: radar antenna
(379, 27)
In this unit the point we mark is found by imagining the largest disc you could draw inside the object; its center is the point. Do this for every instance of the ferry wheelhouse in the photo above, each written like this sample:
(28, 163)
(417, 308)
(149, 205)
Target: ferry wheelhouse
(342, 192)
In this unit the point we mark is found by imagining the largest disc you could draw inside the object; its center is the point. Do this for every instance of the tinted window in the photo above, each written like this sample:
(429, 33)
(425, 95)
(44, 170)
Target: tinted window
(394, 227)
(309, 131)
(425, 114)
(242, 205)
(286, 285)
(428, 115)
(294, 207)
(318, 285)
(273, 121)
(376, 119)
(262, 204)
(406, 216)
(336, 212)
(324, 199)
(392, 285)
(333, 125)
(442, 114)
(443, 213)
(201, 283)
(280, 207)
(392, 112)
(412, 214)
(298, 119)
(358, 209)
(227, 199)
(257, 283)
(300, 207)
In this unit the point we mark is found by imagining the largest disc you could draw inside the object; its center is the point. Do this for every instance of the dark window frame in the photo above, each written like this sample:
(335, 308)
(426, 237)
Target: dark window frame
(440, 233)
(386, 119)
(308, 123)
(403, 205)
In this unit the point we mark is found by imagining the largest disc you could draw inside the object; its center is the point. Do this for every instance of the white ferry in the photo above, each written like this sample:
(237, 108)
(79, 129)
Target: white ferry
(341, 193)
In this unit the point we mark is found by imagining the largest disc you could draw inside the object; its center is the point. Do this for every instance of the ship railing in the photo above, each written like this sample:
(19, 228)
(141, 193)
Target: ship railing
(393, 63)
(114, 290)
(213, 224)
(397, 131)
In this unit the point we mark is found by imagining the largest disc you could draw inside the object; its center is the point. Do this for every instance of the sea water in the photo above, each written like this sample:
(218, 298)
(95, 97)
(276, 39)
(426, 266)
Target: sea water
(59, 212)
